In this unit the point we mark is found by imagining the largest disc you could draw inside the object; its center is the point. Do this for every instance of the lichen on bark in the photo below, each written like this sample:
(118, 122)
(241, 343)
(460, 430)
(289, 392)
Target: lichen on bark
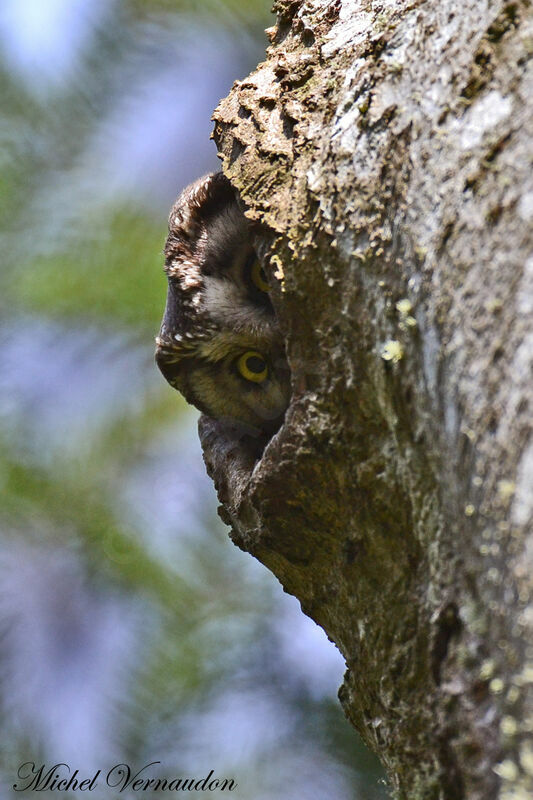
(383, 154)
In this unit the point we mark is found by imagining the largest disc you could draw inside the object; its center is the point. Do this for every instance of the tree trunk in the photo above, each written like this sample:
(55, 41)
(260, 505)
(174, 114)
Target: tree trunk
(383, 153)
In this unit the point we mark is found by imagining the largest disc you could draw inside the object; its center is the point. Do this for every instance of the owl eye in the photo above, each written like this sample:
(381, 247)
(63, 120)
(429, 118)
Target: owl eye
(253, 367)
(259, 277)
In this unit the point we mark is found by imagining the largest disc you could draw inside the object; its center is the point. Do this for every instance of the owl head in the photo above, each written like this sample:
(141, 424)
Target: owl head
(220, 343)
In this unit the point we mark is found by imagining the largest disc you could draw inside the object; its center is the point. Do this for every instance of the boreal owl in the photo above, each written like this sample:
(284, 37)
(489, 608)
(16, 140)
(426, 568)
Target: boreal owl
(220, 344)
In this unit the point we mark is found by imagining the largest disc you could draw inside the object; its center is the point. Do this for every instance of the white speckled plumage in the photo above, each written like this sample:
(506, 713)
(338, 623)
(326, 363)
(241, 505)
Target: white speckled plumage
(215, 313)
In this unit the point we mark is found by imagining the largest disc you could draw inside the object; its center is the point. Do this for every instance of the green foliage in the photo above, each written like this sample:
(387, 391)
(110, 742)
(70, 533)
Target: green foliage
(252, 13)
(115, 275)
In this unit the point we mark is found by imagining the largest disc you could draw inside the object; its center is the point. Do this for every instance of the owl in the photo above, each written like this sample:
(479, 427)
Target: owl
(220, 344)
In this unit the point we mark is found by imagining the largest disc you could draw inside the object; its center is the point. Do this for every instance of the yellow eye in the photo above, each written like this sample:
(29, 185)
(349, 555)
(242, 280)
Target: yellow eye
(259, 277)
(253, 367)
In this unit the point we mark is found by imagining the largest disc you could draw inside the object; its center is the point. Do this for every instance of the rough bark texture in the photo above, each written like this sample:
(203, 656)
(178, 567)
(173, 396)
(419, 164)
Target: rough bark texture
(383, 152)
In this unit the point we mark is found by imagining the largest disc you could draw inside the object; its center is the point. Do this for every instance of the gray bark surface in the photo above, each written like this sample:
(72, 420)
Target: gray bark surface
(383, 152)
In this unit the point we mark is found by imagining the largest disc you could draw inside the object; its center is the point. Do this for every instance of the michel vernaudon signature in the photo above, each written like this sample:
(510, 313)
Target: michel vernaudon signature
(61, 778)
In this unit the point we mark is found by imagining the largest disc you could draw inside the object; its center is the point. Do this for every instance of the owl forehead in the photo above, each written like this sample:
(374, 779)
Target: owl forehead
(226, 345)
(213, 344)
(207, 232)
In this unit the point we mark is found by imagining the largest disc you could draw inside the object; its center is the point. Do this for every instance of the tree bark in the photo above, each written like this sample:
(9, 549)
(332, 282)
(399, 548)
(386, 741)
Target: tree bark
(383, 155)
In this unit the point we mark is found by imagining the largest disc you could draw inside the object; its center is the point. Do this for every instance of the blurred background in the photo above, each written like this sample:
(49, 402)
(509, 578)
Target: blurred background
(131, 628)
